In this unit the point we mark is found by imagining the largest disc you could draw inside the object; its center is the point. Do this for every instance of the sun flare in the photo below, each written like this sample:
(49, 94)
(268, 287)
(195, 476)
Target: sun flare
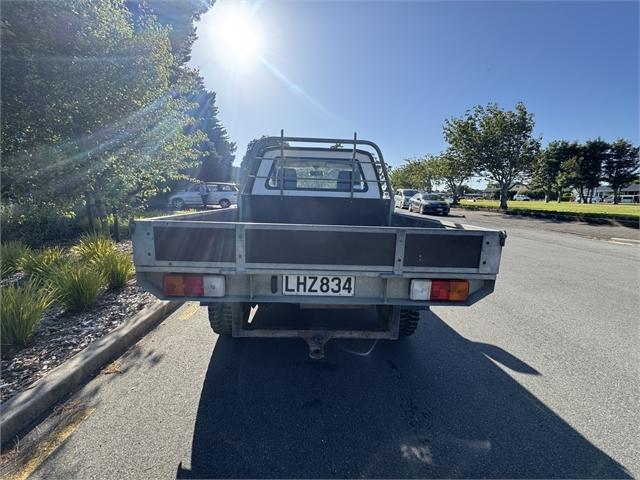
(238, 38)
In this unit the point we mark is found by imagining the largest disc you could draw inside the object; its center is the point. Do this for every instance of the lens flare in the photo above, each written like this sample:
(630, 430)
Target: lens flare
(238, 39)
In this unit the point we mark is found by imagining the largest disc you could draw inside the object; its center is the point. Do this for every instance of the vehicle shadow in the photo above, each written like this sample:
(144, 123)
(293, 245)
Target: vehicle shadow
(433, 405)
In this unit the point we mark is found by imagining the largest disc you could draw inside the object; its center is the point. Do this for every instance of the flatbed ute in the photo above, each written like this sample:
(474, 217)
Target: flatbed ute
(315, 227)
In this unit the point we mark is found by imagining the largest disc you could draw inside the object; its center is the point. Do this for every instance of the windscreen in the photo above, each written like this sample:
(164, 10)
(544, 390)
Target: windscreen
(434, 196)
(316, 174)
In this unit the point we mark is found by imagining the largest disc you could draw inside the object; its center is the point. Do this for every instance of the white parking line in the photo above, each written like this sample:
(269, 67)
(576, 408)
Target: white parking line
(625, 240)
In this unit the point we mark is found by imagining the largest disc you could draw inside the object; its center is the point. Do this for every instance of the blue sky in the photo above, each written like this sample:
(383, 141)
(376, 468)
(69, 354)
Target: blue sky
(393, 71)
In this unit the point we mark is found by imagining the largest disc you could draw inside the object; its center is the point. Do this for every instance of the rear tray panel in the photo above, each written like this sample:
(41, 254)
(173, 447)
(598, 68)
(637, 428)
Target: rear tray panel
(189, 244)
(318, 247)
(455, 251)
(315, 246)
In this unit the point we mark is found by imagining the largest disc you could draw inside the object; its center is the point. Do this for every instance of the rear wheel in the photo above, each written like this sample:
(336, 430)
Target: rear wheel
(224, 203)
(409, 319)
(177, 203)
(222, 316)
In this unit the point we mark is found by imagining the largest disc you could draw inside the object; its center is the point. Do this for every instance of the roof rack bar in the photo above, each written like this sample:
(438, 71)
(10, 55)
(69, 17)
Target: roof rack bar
(344, 141)
(353, 163)
(281, 162)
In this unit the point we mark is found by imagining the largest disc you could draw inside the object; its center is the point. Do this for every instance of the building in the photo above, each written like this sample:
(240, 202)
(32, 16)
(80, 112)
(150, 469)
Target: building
(605, 191)
(492, 191)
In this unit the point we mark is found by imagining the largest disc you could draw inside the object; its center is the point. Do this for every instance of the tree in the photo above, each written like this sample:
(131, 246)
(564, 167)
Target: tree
(547, 166)
(555, 168)
(569, 156)
(451, 169)
(583, 168)
(96, 107)
(620, 166)
(178, 15)
(594, 153)
(217, 152)
(414, 173)
(499, 143)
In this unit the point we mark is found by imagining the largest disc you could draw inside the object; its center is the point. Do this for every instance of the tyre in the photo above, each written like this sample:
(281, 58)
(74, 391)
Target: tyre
(409, 319)
(224, 203)
(177, 203)
(222, 316)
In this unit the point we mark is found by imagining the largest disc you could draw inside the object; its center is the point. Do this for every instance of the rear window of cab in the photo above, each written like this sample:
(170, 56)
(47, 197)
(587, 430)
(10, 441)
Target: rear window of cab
(316, 174)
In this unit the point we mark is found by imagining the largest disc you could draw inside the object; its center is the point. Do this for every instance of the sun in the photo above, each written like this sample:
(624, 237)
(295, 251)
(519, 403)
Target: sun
(237, 36)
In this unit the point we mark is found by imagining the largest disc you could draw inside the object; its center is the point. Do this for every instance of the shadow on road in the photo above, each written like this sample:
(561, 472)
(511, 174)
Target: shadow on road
(433, 405)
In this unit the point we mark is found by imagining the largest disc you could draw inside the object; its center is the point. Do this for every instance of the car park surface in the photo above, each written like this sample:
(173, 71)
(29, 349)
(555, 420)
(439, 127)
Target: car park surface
(539, 380)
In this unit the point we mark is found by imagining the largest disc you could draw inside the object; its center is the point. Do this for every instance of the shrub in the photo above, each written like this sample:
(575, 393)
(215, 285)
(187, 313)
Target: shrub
(37, 228)
(21, 308)
(116, 267)
(11, 255)
(92, 247)
(40, 265)
(76, 286)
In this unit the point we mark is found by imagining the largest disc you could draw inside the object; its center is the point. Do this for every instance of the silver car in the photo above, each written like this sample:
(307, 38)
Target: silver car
(429, 203)
(222, 194)
(402, 197)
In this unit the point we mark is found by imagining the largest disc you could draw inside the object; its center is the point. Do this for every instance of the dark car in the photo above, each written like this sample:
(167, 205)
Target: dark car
(429, 203)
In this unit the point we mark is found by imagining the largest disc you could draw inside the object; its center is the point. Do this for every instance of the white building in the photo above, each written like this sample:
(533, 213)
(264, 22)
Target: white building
(604, 191)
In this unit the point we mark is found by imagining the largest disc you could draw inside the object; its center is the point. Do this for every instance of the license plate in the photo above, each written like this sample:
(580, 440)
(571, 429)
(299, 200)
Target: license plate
(318, 285)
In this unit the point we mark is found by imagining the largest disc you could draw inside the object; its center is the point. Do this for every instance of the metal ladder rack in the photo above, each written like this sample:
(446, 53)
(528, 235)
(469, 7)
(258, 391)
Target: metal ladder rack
(377, 159)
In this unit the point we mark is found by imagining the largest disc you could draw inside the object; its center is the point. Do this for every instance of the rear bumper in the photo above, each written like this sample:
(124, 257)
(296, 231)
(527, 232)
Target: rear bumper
(436, 210)
(369, 289)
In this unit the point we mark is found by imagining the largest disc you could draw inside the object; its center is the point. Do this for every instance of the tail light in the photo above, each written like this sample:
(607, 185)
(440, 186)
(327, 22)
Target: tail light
(442, 290)
(193, 285)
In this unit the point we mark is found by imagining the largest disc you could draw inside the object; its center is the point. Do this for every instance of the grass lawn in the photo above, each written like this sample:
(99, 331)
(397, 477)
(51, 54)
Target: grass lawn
(629, 209)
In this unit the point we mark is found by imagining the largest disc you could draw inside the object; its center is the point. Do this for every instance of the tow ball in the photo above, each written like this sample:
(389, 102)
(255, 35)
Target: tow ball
(316, 343)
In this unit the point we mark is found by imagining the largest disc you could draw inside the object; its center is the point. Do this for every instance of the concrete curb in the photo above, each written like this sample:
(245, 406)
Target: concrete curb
(20, 412)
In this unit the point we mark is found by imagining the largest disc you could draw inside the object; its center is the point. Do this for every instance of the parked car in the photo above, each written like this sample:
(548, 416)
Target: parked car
(403, 196)
(223, 194)
(429, 203)
(623, 199)
(521, 198)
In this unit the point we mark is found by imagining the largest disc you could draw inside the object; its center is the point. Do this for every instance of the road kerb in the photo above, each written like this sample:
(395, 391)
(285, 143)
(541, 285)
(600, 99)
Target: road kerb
(22, 411)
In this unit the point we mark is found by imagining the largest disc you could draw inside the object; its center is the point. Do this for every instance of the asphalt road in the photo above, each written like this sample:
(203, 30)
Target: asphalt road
(538, 380)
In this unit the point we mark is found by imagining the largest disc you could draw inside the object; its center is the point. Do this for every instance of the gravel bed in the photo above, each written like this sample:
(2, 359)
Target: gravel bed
(60, 335)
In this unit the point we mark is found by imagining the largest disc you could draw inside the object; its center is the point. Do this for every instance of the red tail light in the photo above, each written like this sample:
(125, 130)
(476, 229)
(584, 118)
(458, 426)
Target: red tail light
(183, 285)
(449, 290)
(439, 289)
